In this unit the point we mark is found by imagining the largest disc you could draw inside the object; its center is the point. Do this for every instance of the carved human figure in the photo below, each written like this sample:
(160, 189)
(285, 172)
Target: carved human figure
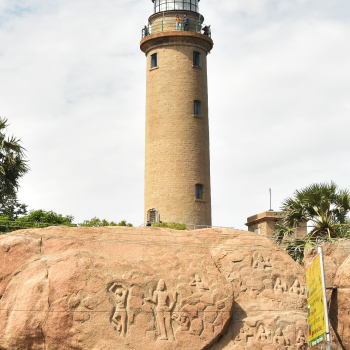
(301, 341)
(120, 314)
(279, 287)
(160, 298)
(199, 284)
(261, 336)
(295, 289)
(279, 338)
(261, 263)
(182, 321)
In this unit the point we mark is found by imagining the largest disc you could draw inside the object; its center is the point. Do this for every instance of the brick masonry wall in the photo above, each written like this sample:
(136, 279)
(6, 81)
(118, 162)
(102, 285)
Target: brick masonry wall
(177, 142)
(269, 226)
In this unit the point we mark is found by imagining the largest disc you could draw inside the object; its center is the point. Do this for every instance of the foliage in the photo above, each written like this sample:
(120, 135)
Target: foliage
(35, 219)
(298, 248)
(343, 231)
(324, 206)
(173, 225)
(12, 161)
(11, 208)
(96, 222)
(46, 218)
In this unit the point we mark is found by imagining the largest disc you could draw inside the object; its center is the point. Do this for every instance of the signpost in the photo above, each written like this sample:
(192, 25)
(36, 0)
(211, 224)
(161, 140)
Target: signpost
(317, 303)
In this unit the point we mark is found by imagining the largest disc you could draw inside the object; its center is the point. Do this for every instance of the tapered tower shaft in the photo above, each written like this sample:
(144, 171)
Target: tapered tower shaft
(177, 167)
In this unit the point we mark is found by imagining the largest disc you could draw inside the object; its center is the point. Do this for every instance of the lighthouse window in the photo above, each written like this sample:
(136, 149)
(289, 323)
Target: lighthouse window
(196, 59)
(154, 60)
(171, 5)
(199, 191)
(197, 107)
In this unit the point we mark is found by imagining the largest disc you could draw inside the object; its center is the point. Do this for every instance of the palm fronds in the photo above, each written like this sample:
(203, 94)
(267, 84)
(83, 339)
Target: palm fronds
(323, 206)
(12, 161)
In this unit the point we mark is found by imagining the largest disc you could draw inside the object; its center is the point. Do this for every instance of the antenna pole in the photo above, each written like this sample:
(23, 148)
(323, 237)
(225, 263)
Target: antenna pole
(270, 200)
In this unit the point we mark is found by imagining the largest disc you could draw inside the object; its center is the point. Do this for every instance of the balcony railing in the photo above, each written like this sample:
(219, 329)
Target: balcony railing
(168, 26)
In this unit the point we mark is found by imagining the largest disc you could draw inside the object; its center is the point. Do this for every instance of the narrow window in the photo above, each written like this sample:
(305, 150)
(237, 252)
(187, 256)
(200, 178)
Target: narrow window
(196, 59)
(197, 107)
(154, 60)
(199, 191)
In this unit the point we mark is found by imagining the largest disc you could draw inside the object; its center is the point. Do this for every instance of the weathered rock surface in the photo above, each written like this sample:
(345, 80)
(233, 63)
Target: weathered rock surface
(269, 293)
(148, 288)
(340, 304)
(334, 255)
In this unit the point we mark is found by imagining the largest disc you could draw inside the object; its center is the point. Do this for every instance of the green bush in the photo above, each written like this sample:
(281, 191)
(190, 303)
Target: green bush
(96, 222)
(172, 225)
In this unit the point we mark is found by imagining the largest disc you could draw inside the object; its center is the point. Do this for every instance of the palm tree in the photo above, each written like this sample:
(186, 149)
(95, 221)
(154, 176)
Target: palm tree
(324, 206)
(12, 161)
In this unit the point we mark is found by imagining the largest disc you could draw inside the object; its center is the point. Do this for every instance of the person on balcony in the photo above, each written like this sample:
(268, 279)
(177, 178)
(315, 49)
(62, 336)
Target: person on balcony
(205, 30)
(186, 23)
(178, 22)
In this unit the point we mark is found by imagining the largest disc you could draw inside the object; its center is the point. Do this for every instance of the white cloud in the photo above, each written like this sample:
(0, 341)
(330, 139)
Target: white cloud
(72, 83)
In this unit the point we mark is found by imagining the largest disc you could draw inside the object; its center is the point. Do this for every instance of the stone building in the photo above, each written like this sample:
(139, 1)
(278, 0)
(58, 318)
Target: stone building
(265, 224)
(177, 165)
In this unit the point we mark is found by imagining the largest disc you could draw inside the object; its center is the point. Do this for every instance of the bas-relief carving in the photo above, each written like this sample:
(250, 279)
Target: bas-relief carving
(262, 335)
(165, 302)
(279, 338)
(199, 284)
(296, 289)
(182, 320)
(119, 294)
(261, 281)
(280, 287)
(261, 262)
(202, 314)
(301, 341)
(253, 333)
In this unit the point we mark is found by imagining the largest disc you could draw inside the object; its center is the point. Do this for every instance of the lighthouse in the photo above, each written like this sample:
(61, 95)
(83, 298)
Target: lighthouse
(176, 43)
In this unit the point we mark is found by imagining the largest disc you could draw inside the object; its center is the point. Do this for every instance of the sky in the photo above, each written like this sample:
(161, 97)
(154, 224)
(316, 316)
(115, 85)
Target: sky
(73, 87)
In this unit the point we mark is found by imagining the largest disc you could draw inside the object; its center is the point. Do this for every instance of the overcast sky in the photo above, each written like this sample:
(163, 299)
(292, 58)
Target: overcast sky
(72, 84)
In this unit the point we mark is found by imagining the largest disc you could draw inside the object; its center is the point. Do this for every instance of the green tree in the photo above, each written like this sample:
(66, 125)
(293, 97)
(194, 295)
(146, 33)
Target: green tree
(96, 222)
(11, 207)
(324, 206)
(35, 219)
(12, 161)
(173, 225)
(42, 218)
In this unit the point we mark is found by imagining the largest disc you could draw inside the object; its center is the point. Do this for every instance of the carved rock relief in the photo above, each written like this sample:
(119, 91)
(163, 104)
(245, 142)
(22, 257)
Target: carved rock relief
(159, 290)
(191, 311)
(270, 298)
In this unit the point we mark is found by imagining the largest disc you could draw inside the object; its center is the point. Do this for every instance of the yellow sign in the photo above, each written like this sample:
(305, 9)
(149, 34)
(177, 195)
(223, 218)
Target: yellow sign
(315, 305)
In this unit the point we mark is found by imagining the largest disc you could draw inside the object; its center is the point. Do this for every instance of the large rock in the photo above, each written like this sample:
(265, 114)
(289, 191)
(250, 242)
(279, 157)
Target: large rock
(148, 288)
(340, 305)
(334, 255)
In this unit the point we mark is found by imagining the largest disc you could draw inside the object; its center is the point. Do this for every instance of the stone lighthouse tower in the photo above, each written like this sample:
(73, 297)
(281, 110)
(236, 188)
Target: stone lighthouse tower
(177, 170)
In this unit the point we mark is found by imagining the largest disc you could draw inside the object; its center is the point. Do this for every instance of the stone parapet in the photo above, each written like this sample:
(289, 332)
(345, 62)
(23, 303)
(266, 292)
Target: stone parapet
(174, 38)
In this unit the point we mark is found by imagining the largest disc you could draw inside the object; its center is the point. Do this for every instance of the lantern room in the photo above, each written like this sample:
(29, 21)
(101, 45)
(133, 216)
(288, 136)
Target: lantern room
(175, 5)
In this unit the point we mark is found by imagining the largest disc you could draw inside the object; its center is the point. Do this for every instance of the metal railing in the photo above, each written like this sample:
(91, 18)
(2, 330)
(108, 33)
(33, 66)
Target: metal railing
(189, 227)
(165, 25)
